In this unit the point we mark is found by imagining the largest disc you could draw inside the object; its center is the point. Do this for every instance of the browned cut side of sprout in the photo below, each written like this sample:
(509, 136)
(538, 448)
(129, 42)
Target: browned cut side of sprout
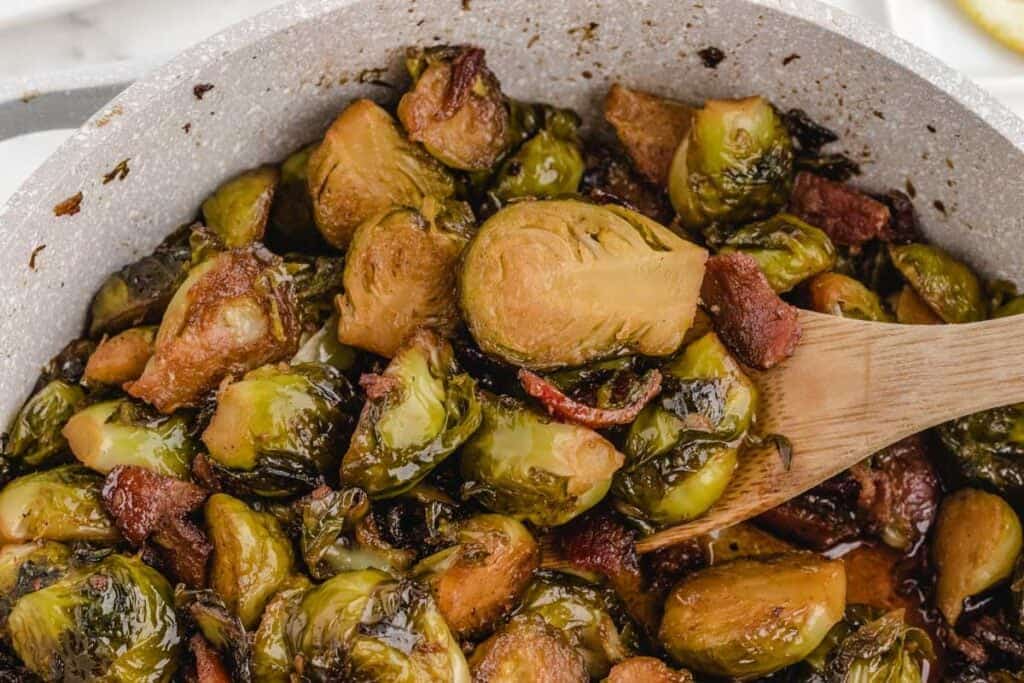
(121, 358)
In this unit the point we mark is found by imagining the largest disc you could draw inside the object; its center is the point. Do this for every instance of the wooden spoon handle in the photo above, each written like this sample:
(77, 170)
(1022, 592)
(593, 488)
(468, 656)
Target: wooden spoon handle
(851, 389)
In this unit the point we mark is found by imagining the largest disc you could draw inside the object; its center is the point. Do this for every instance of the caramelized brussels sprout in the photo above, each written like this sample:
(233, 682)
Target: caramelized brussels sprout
(840, 295)
(750, 617)
(646, 670)
(649, 127)
(736, 164)
(455, 107)
(122, 432)
(291, 226)
(234, 312)
(988, 448)
(252, 557)
(62, 504)
(527, 648)
(788, 250)
(121, 358)
(581, 614)
(677, 486)
(280, 428)
(365, 165)
(977, 541)
(948, 286)
(27, 567)
(400, 275)
(237, 212)
(323, 347)
(911, 309)
(477, 581)
(219, 628)
(522, 464)
(139, 292)
(272, 659)
(110, 621)
(541, 284)
(35, 437)
(547, 165)
(338, 535)
(417, 412)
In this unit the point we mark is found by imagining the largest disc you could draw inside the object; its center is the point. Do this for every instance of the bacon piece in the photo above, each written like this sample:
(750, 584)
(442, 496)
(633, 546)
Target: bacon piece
(650, 128)
(748, 315)
(209, 668)
(820, 518)
(567, 408)
(850, 218)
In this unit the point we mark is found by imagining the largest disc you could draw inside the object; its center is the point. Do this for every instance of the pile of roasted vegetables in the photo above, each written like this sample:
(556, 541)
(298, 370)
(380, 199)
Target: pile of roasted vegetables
(399, 408)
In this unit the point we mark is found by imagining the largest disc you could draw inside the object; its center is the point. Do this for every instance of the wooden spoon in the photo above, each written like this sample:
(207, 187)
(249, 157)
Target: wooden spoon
(851, 389)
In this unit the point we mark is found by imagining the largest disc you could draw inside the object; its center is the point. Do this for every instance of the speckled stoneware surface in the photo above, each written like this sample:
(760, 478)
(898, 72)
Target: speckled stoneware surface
(280, 78)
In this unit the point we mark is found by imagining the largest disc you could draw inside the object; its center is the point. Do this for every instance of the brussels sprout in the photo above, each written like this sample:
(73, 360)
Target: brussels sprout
(582, 614)
(547, 165)
(646, 670)
(400, 275)
(338, 535)
(677, 486)
(291, 226)
(323, 347)
(527, 648)
(740, 540)
(237, 212)
(110, 621)
(27, 567)
(365, 165)
(219, 627)
(234, 312)
(788, 250)
(988, 448)
(522, 464)
(949, 287)
(418, 411)
(455, 107)
(35, 436)
(271, 657)
(911, 309)
(280, 428)
(121, 358)
(650, 128)
(750, 617)
(871, 646)
(705, 391)
(840, 295)
(736, 164)
(541, 284)
(251, 555)
(122, 432)
(139, 292)
(977, 541)
(477, 581)
(62, 504)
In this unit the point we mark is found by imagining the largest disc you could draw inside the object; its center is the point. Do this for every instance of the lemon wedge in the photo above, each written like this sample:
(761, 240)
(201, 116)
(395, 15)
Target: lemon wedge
(1002, 19)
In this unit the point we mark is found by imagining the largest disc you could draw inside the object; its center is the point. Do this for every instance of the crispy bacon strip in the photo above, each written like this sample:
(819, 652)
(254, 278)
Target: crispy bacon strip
(850, 218)
(566, 408)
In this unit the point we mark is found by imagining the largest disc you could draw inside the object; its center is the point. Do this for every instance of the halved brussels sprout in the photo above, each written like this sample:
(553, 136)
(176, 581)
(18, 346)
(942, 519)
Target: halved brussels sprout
(528, 648)
(911, 309)
(547, 165)
(400, 275)
(122, 432)
(272, 659)
(541, 284)
(252, 557)
(323, 347)
(121, 358)
(279, 429)
(582, 614)
(365, 165)
(234, 312)
(339, 535)
(139, 292)
(750, 617)
(237, 212)
(477, 581)
(649, 127)
(62, 504)
(523, 464)
(27, 567)
(705, 393)
(736, 164)
(111, 621)
(788, 250)
(455, 107)
(646, 670)
(417, 412)
(677, 486)
(977, 541)
(840, 295)
(988, 448)
(35, 436)
(947, 285)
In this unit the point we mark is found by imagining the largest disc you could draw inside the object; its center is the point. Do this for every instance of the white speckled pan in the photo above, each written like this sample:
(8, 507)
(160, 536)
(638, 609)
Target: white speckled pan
(280, 78)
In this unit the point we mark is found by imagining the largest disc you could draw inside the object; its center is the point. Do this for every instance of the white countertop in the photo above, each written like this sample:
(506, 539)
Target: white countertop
(40, 36)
